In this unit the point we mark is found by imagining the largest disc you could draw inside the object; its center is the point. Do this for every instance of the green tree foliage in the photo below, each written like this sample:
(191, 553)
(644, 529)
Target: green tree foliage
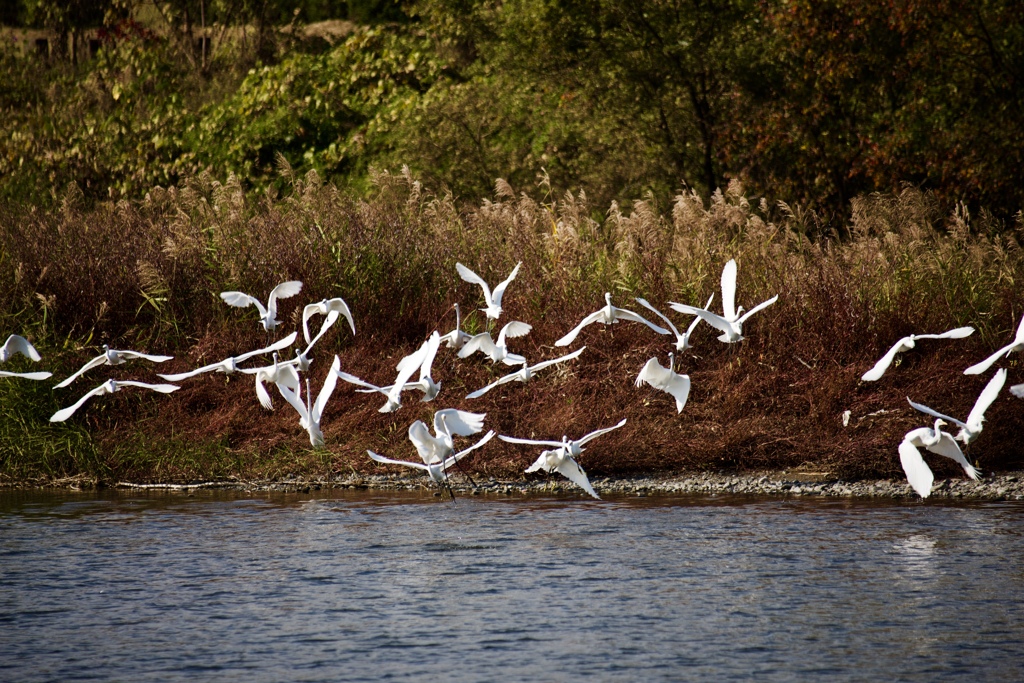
(810, 101)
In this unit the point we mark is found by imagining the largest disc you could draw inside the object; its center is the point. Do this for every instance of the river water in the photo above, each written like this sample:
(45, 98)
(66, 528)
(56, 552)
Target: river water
(386, 586)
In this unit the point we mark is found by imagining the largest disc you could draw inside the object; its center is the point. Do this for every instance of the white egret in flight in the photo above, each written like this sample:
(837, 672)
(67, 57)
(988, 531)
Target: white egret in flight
(731, 321)
(666, 379)
(331, 308)
(1016, 345)
(438, 471)
(562, 458)
(970, 429)
(268, 314)
(492, 299)
(937, 441)
(112, 357)
(447, 424)
(109, 387)
(425, 383)
(908, 343)
(229, 366)
(497, 351)
(406, 367)
(17, 344)
(608, 315)
(525, 373)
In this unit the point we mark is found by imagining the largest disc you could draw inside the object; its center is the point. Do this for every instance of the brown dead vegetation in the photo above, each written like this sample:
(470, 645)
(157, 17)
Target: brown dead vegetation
(147, 276)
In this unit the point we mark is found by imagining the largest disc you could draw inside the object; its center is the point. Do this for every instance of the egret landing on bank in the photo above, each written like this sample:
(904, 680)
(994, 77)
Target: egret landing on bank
(437, 471)
(937, 441)
(906, 344)
(970, 429)
(492, 299)
(109, 387)
(562, 458)
(666, 379)
(112, 357)
(1016, 345)
(268, 315)
(448, 423)
(608, 315)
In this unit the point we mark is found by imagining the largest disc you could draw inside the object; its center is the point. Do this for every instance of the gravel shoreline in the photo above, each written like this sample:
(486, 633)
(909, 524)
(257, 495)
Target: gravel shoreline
(1006, 486)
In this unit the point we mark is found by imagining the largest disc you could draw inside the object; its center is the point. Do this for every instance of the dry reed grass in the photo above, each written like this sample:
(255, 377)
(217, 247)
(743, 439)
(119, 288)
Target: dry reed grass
(147, 275)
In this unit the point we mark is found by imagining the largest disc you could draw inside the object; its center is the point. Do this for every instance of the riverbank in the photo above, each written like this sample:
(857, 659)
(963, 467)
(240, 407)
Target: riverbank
(1003, 486)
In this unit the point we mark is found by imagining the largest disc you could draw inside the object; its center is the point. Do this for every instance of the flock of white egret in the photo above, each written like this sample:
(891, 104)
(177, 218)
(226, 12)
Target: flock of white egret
(438, 450)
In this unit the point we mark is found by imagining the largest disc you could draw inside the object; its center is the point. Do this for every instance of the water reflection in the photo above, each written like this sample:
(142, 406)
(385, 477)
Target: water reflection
(373, 586)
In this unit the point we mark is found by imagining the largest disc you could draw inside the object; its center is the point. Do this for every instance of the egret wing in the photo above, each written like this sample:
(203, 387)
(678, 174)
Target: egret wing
(643, 302)
(653, 373)
(988, 395)
(65, 413)
(294, 398)
(262, 395)
(27, 375)
(98, 360)
(130, 355)
(352, 379)
(241, 300)
(716, 321)
(958, 333)
(571, 470)
(593, 435)
(568, 339)
(949, 448)
(474, 279)
(338, 304)
(934, 413)
(499, 291)
(282, 291)
(530, 442)
(678, 387)
(429, 353)
(512, 330)
(459, 422)
(918, 473)
(425, 443)
(625, 314)
(389, 461)
(760, 307)
(876, 372)
(729, 290)
(327, 389)
(332, 317)
(543, 364)
(192, 373)
(501, 380)
(1017, 390)
(276, 346)
(18, 344)
(979, 368)
(479, 342)
(697, 319)
(319, 308)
